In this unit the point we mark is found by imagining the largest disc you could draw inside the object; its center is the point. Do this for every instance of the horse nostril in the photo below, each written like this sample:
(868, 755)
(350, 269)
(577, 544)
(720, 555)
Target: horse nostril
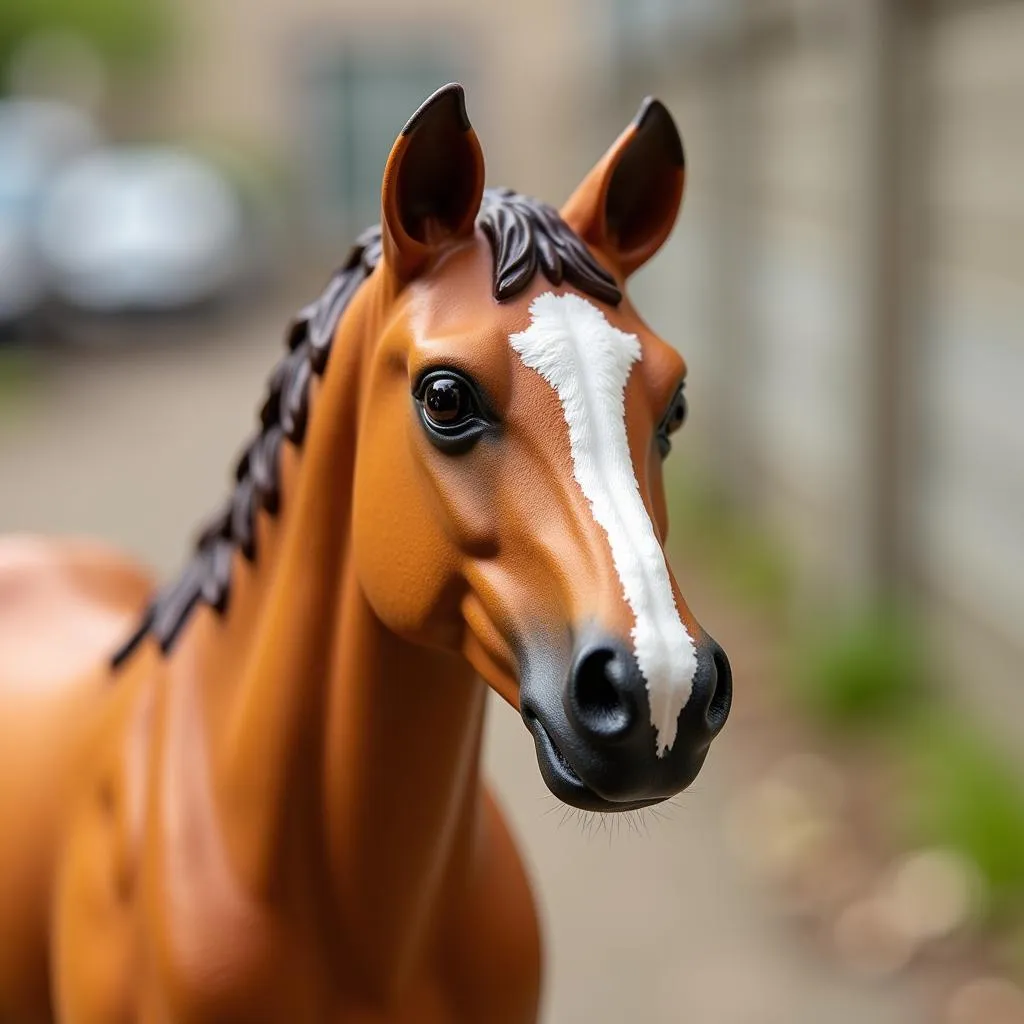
(721, 696)
(599, 696)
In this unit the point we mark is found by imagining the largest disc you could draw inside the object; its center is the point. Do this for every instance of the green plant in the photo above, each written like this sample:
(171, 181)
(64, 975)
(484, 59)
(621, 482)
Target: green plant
(696, 503)
(744, 558)
(866, 670)
(756, 568)
(21, 376)
(961, 792)
(18, 372)
(127, 32)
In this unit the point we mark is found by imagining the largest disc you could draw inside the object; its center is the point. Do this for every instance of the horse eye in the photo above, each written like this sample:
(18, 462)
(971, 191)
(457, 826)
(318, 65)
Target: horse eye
(674, 419)
(452, 410)
(677, 413)
(445, 401)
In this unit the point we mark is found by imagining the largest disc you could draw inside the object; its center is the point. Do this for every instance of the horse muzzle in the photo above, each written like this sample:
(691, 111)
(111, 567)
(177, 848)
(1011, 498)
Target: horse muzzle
(596, 744)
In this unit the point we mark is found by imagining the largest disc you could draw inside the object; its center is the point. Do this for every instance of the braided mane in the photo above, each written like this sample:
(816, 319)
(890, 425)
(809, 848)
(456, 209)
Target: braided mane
(526, 236)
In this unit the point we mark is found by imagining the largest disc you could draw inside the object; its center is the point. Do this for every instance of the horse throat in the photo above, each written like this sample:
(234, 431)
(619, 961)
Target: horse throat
(401, 790)
(343, 748)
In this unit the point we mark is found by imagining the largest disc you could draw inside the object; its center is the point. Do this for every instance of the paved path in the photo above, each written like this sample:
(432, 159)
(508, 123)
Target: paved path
(653, 924)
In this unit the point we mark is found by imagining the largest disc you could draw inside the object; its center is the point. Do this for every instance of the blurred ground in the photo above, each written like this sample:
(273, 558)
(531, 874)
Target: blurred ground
(655, 920)
(650, 921)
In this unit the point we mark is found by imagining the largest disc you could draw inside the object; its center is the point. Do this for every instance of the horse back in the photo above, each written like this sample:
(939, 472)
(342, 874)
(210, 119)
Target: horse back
(64, 606)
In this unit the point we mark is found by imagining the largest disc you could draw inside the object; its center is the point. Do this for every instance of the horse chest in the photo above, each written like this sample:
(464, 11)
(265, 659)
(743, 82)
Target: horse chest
(480, 962)
(492, 941)
(484, 967)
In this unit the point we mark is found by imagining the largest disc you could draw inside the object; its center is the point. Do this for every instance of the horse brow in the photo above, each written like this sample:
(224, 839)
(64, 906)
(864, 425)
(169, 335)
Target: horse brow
(526, 236)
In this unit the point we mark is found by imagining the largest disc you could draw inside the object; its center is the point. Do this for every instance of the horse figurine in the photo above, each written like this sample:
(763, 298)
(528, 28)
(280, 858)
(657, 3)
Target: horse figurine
(262, 802)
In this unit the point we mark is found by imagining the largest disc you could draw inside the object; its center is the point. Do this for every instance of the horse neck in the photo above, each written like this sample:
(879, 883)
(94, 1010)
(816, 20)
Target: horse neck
(401, 785)
(342, 746)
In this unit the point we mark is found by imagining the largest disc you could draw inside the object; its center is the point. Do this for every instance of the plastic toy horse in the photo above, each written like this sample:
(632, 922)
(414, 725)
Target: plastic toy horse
(266, 805)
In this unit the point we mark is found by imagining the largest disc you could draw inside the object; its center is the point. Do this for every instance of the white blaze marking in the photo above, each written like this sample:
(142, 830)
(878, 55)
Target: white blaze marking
(588, 361)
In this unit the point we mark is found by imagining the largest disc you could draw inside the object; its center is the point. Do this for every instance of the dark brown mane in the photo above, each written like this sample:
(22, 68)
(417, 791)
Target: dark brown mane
(526, 236)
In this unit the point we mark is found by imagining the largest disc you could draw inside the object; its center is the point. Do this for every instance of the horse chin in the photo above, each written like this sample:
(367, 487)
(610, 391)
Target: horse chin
(561, 778)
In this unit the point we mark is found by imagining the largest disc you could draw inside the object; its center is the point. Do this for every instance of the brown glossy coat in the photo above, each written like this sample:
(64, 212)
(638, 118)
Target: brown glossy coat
(283, 819)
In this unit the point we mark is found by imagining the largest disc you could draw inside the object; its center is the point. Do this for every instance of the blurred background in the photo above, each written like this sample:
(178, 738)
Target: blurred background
(847, 285)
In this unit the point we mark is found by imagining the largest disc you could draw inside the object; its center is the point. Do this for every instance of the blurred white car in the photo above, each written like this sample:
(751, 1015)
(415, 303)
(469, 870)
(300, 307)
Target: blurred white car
(37, 139)
(141, 229)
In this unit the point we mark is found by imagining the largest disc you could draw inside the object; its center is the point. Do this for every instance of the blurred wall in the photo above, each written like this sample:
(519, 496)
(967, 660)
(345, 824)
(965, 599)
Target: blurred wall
(847, 281)
(848, 285)
(299, 78)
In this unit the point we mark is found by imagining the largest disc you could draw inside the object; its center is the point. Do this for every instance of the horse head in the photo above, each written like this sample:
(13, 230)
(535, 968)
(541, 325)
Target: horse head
(508, 501)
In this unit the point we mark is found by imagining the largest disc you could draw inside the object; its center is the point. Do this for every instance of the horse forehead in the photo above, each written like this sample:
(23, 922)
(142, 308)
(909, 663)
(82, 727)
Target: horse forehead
(458, 315)
(573, 345)
(460, 308)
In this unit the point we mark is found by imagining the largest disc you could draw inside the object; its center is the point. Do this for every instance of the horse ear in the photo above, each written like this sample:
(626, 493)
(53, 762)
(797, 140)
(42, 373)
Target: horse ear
(433, 183)
(627, 205)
